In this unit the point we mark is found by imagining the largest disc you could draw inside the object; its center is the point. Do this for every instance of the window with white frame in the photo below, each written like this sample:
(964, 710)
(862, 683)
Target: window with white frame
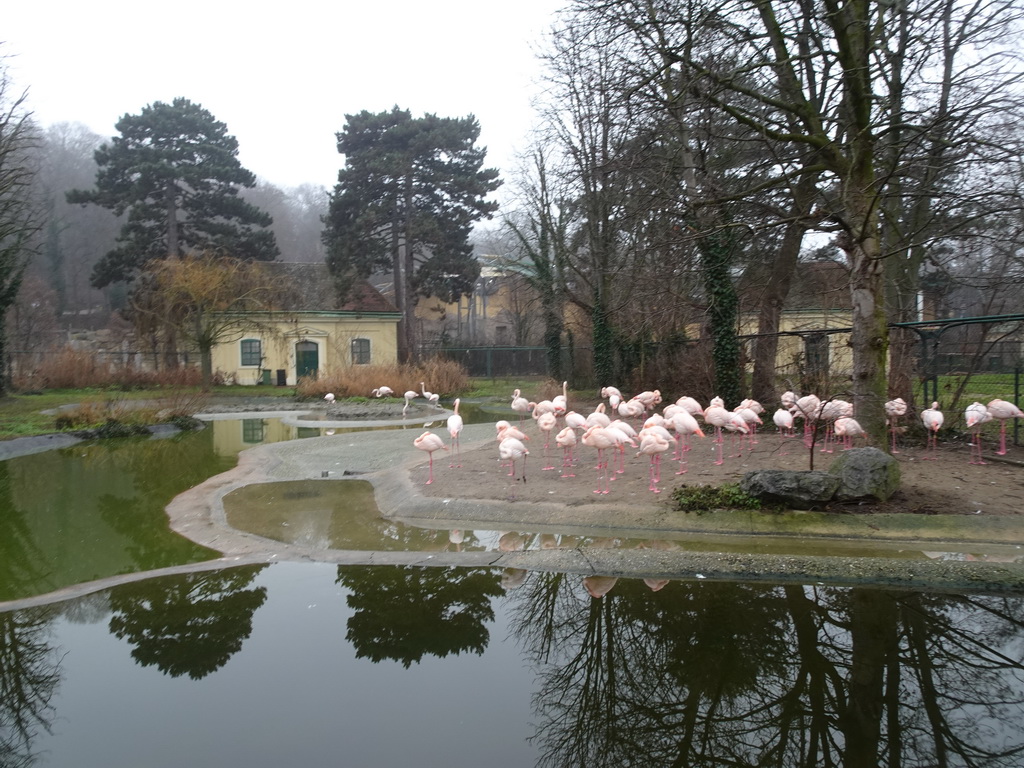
(252, 352)
(360, 351)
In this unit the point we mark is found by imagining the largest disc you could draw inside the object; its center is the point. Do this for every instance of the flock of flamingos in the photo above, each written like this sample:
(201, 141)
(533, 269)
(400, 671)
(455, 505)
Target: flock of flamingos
(619, 422)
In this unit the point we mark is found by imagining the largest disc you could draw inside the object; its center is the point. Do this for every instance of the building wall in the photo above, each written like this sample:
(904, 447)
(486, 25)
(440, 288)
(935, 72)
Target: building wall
(332, 335)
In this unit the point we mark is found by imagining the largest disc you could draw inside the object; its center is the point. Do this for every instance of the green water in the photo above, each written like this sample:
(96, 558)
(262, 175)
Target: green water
(96, 510)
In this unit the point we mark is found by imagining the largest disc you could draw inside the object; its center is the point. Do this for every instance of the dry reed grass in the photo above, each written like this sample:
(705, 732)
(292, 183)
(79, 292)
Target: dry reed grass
(445, 377)
(69, 368)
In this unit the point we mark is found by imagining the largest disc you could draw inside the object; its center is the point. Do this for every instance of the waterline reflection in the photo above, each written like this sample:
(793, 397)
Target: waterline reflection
(532, 669)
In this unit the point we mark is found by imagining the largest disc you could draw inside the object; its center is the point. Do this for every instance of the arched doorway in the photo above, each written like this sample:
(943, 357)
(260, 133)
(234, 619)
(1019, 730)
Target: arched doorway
(307, 359)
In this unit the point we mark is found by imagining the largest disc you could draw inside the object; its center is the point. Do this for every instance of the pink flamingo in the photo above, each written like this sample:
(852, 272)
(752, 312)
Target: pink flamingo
(846, 428)
(432, 397)
(1002, 410)
(808, 408)
(546, 422)
(623, 435)
(409, 396)
(691, 406)
(653, 444)
(430, 442)
(932, 419)
(576, 421)
(567, 440)
(784, 421)
(597, 437)
(382, 392)
(598, 418)
(520, 405)
(717, 417)
(975, 416)
(684, 424)
(454, 429)
(511, 449)
(561, 401)
(894, 409)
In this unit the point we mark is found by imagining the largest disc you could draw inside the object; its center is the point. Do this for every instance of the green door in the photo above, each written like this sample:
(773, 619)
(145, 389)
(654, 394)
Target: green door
(307, 359)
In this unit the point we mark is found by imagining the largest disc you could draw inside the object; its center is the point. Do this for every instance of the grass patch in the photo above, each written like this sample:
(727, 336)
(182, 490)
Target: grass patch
(706, 498)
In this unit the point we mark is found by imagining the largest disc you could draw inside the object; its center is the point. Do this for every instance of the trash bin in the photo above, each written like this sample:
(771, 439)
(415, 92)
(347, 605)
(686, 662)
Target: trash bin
(265, 377)
(282, 377)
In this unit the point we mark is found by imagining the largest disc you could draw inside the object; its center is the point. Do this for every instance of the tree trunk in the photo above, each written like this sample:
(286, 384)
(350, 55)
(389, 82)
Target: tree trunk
(773, 299)
(869, 339)
(172, 221)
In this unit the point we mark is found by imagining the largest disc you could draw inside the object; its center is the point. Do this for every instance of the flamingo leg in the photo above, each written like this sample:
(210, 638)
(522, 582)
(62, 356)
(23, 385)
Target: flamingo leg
(430, 476)
(567, 462)
(720, 460)
(547, 459)
(650, 475)
(976, 450)
(1002, 438)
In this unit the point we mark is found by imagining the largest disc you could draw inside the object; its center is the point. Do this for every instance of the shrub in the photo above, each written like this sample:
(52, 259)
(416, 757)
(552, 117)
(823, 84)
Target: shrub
(705, 498)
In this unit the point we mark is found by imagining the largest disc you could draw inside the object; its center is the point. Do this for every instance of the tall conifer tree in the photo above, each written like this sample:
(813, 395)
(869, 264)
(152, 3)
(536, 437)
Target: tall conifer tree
(174, 170)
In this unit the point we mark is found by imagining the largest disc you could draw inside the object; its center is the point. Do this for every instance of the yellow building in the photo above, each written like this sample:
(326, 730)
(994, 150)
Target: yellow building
(309, 331)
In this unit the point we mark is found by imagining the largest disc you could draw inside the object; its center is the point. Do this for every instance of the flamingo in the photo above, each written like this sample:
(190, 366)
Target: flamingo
(329, 397)
(598, 418)
(932, 419)
(894, 409)
(784, 421)
(566, 439)
(1002, 410)
(975, 415)
(382, 392)
(508, 430)
(454, 429)
(684, 424)
(430, 442)
(409, 396)
(653, 445)
(847, 428)
(622, 438)
(511, 449)
(432, 397)
(691, 405)
(597, 437)
(575, 420)
(807, 408)
(830, 412)
(561, 402)
(631, 409)
(751, 419)
(520, 405)
(546, 422)
(610, 392)
(719, 418)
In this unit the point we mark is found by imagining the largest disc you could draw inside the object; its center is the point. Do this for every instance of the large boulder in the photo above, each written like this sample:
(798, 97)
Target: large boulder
(799, 490)
(865, 473)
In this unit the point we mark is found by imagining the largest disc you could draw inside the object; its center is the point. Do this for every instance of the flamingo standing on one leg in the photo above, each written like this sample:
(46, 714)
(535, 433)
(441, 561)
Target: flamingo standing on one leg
(329, 397)
(1002, 410)
(784, 421)
(454, 429)
(546, 423)
(567, 440)
(895, 409)
(975, 416)
(932, 419)
(430, 442)
(511, 449)
(597, 437)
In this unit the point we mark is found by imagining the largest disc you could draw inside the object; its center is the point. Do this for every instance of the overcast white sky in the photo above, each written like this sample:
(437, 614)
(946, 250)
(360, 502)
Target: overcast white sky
(283, 75)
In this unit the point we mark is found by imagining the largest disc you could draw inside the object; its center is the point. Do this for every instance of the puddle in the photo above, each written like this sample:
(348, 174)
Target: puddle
(342, 515)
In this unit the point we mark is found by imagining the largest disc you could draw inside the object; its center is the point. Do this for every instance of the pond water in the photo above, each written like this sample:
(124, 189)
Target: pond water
(311, 663)
(315, 664)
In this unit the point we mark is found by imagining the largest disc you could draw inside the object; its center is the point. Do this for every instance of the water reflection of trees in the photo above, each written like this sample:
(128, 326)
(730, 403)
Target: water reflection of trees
(29, 677)
(20, 556)
(407, 613)
(740, 675)
(190, 624)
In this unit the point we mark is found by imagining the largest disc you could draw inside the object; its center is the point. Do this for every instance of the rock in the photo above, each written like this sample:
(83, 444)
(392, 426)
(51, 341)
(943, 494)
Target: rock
(799, 490)
(865, 473)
